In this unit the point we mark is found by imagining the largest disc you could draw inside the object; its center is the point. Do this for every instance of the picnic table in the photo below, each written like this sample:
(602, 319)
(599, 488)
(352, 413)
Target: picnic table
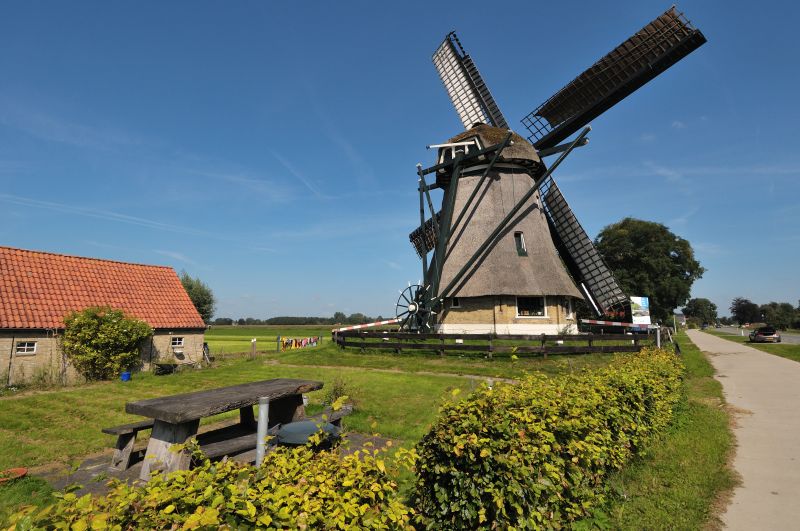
(177, 417)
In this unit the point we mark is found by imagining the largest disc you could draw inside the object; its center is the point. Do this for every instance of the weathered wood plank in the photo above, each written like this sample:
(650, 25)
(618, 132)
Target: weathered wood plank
(232, 442)
(159, 455)
(181, 408)
(126, 429)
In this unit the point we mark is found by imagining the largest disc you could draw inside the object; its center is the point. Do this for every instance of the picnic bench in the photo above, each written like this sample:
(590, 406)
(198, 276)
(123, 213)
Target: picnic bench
(176, 418)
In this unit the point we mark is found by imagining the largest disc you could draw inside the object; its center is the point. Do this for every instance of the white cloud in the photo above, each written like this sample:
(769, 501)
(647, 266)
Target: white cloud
(297, 174)
(48, 127)
(177, 256)
(677, 124)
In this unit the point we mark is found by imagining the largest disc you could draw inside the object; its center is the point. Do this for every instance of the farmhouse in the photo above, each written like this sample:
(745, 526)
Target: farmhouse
(39, 289)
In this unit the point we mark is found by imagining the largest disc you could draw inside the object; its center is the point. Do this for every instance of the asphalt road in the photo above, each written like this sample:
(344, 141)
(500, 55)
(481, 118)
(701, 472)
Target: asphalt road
(791, 339)
(763, 391)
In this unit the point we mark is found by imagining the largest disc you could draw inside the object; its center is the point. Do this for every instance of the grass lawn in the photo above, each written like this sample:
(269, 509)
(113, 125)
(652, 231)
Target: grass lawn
(784, 350)
(396, 396)
(675, 485)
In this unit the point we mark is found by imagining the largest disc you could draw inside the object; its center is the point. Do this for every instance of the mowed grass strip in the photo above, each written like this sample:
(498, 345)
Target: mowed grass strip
(784, 350)
(237, 339)
(676, 483)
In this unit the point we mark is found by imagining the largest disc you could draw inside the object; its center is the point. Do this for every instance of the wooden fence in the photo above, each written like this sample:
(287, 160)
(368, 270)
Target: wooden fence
(491, 343)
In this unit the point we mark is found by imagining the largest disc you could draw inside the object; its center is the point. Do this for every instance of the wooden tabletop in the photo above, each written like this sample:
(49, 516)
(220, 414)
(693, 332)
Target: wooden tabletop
(191, 406)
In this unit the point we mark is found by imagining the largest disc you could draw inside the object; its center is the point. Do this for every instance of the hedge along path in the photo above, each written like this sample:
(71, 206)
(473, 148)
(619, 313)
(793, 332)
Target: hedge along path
(537, 454)
(766, 389)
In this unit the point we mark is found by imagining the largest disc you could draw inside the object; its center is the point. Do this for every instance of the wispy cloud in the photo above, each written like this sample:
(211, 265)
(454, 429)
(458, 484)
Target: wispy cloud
(670, 174)
(297, 174)
(180, 257)
(393, 265)
(101, 214)
(362, 169)
(683, 219)
(49, 127)
(647, 138)
(677, 124)
(266, 188)
(709, 248)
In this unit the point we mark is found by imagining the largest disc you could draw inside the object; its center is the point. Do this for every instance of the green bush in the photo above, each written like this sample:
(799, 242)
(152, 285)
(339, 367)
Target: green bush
(535, 455)
(101, 342)
(295, 488)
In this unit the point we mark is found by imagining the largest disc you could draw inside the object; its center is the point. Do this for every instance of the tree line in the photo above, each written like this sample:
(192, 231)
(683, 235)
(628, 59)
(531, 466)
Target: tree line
(781, 315)
(338, 318)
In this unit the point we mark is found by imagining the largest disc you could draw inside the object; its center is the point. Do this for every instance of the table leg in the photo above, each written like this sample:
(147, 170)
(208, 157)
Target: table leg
(247, 417)
(287, 409)
(159, 456)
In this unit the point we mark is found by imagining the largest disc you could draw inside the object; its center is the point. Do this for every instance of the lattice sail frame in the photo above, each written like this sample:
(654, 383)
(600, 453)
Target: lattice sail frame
(650, 51)
(578, 251)
(465, 86)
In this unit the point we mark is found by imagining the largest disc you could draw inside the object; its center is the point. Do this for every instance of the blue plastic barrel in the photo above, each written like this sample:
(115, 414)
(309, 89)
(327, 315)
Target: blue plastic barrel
(125, 376)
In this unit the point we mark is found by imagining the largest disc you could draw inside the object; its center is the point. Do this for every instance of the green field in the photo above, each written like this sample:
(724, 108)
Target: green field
(235, 339)
(396, 396)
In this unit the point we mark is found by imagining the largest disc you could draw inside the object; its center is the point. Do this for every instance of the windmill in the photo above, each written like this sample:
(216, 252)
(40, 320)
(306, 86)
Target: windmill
(507, 253)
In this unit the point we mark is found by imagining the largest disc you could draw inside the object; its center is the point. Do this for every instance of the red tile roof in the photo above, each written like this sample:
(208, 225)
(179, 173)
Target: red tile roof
(38, 289)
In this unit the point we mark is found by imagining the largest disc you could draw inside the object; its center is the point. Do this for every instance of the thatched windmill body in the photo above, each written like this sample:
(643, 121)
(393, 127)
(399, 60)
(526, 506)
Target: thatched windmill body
(504, 253)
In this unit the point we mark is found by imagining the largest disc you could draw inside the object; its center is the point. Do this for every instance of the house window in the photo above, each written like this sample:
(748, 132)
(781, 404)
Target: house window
(455, 303)
(26, 347)
(176, 342)
(519, 240)
(568, 308)
(531, 307)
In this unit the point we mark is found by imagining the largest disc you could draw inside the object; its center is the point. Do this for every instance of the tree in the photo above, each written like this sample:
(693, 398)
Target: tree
(778, 314)
(101, 342)
(744, 310)
(201, 295)
(339, 317)
(648, 259)
(703, 309)
(223, 321)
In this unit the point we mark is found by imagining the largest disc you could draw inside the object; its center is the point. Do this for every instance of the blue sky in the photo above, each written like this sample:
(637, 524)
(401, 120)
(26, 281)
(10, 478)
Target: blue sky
(270, 148)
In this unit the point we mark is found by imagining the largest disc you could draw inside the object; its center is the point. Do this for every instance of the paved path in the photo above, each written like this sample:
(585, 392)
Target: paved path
(766, 389)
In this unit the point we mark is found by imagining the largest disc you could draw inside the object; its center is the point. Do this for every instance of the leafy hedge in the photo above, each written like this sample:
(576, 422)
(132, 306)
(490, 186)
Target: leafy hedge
(535, 455)
(101, 342)
(293, 489)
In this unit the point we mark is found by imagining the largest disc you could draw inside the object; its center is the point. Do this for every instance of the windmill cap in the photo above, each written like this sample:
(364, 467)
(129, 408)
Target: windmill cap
(520, 151)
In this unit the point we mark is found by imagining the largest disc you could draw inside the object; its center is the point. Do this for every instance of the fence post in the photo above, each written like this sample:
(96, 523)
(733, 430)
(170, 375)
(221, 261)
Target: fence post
(658, 337)
(544, 346)
(490, 352)
(441, 341)
(278, 344)
(261, 431)
(253, 349)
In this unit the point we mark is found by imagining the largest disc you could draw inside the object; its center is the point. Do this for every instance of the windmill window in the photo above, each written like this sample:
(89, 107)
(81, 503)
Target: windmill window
(25, 347)
(519, 240)
(531, 307)
(568, 312)
(455, 303)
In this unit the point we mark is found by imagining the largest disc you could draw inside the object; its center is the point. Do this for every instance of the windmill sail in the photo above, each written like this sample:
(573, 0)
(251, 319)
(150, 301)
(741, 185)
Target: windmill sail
(579, 253)
(469, 94)
(659, 45)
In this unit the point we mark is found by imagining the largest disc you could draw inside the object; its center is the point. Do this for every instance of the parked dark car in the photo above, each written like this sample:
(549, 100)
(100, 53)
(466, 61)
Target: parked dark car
(703, 326)
(765, 334)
